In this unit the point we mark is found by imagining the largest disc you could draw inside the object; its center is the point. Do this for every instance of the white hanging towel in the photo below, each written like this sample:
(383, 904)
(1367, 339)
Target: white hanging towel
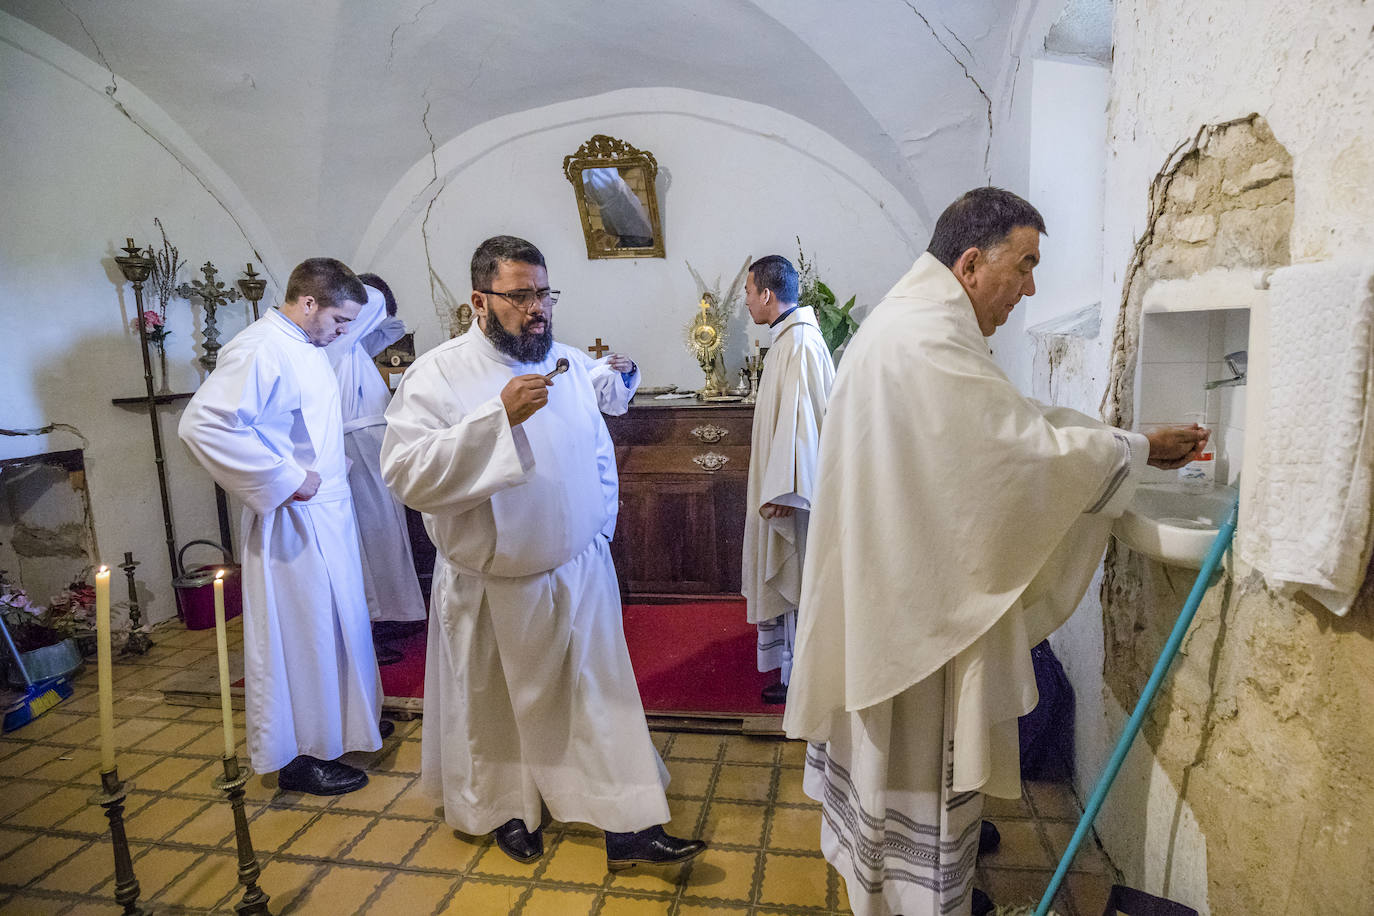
(1310, 528)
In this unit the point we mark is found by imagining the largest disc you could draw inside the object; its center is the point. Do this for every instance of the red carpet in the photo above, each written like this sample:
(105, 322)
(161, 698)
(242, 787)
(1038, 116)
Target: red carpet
(694, 658)
(698, 658)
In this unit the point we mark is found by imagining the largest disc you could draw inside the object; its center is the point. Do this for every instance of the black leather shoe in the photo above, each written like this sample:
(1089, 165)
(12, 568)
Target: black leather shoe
(775, 693)
(320, 777)
(649, 847)
(517, 842)
(982, 903)
(988, 838)
(388, 728)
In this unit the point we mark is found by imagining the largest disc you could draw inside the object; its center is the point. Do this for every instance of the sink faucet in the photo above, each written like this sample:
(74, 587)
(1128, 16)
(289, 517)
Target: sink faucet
(1237, 363)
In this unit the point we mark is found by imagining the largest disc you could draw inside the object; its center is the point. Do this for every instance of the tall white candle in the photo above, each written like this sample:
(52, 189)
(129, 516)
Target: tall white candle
(104, 675)
(222, 644)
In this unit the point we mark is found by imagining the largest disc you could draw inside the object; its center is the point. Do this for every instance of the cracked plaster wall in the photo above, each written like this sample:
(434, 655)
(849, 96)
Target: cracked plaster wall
(736, 179)
(81, 174)
(1248, 792)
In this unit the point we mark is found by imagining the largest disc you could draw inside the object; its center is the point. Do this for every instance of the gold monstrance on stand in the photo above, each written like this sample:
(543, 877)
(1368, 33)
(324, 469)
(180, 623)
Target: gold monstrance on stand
(706, 339)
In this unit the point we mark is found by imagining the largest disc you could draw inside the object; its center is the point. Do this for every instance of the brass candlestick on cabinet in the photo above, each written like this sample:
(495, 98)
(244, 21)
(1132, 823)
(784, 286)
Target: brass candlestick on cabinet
(253, 287)
(136, 267)
(254, 902)
(111, 797)
(212, 294)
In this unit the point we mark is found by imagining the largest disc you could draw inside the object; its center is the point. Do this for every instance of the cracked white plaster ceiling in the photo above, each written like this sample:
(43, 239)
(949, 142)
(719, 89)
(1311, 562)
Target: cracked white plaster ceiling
(315, 109)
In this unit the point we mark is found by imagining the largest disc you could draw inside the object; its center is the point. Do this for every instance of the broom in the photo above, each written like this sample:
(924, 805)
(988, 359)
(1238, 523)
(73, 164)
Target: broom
(38, 698)
(1166, 658)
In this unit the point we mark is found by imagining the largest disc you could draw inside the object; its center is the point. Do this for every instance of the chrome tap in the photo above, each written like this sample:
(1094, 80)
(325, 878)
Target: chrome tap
(1237, 363)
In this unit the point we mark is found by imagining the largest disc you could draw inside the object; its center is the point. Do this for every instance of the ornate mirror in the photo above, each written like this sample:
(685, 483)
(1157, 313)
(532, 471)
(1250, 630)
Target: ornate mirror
(616, 198)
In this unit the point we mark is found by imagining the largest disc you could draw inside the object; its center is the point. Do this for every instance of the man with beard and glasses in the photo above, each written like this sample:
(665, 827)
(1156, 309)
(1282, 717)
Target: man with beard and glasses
(530, 700)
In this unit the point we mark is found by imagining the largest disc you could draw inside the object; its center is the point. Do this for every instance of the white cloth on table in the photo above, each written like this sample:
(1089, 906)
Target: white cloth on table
(1313, 479)
(266, 415)
(793, 389)
(389, 579)
(529, 691)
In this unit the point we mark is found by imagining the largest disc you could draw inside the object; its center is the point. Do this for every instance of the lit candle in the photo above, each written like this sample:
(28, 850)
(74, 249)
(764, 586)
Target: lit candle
(222, 644)
(104, 676)
(756, 348)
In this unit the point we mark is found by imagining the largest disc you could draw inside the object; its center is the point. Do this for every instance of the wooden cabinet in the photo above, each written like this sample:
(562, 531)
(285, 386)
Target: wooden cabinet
(684, 470)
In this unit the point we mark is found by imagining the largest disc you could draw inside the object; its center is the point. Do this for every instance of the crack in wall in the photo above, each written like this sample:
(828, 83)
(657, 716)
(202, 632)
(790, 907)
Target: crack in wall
(110, 92)
(987, 152)
(391, 48)
(436, 284)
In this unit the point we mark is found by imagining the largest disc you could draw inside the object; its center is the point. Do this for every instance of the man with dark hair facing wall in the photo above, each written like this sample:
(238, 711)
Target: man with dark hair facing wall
(786, 439)
(266, 424)
(530, 700)
(956, 524)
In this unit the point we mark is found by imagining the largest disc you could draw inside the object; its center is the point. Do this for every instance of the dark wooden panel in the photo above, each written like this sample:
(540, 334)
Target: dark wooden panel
(681, 524)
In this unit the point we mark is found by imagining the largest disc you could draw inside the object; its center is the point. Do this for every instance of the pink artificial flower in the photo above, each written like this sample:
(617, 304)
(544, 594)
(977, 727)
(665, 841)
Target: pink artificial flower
(151, 320)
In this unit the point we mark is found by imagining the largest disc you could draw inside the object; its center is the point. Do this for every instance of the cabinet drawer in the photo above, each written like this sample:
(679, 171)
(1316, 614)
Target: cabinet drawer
(701, 427)
(682, 459)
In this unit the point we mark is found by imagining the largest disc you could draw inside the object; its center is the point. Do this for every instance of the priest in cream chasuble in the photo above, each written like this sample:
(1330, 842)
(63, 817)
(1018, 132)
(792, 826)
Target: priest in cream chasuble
(793, 389)
(956, 524)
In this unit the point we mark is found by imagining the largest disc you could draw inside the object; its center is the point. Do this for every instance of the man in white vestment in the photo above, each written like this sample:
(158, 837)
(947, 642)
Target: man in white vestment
(266, 425)
(956, 523)
(530, 700)
(793, 389)
(389, 579)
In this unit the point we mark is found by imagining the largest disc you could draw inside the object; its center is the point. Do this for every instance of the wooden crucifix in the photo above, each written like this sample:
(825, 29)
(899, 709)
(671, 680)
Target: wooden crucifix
(598, 349)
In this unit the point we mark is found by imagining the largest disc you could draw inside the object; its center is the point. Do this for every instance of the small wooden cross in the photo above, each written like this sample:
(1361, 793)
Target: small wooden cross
(598, 348)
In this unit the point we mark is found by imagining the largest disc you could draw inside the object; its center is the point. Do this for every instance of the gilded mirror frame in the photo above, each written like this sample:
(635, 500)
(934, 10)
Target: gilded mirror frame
(604, 152)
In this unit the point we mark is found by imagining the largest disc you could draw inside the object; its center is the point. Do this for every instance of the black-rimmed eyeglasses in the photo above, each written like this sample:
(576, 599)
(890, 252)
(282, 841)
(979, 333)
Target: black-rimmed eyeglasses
(525, 299)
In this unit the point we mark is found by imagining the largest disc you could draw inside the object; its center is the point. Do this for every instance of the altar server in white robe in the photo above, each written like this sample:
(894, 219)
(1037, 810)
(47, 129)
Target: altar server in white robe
(389, 579)
(793, 390)
(266, 425)
(530, 699)
(956, 524)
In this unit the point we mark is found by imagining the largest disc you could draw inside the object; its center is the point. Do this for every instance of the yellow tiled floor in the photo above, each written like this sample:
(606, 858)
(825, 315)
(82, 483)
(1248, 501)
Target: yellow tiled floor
(386, 850)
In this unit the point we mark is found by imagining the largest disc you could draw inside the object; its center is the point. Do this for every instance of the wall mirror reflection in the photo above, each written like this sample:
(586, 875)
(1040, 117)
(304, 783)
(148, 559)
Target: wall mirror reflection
(616, 198)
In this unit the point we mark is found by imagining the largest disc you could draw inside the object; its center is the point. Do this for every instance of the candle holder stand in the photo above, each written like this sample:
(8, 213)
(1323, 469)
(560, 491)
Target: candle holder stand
(254, 902)
(755, 366)
(138, 642)
(252, 286)
(111, 797)
(136, 268)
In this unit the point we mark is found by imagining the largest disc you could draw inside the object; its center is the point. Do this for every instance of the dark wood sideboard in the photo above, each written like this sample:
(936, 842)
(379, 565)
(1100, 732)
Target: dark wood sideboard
(684, 471)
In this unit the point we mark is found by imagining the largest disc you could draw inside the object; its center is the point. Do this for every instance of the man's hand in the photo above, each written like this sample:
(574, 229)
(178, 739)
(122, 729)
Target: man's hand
(773, 510)
(620, 363)
(523, 395)
(1175, 446)
(307, 489)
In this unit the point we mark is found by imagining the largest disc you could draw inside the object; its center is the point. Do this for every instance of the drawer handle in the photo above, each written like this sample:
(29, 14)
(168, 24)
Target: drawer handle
(710, 461)
(710, 433)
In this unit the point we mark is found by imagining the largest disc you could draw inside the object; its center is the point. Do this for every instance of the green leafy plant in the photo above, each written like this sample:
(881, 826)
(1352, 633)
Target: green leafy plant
(837, 324)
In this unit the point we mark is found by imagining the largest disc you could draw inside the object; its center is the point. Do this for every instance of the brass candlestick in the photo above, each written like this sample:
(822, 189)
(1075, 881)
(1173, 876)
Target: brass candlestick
(138, 642)
(111, 797)
(252, 287)
(254, 902)
(755, 366)
(212, 294)
(136, 268)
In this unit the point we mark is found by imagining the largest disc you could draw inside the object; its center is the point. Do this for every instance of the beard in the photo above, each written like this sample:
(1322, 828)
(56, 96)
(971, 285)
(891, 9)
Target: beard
(525, 347)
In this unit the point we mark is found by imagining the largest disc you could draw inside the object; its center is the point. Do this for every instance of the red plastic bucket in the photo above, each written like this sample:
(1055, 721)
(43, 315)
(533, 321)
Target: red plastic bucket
(195, 589)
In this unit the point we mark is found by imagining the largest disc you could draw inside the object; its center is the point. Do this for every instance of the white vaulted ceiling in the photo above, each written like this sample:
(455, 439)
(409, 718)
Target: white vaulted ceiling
(315, 108)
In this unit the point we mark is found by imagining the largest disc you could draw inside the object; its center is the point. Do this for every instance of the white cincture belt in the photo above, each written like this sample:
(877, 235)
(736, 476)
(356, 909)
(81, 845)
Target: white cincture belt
(331, 492)
(363, 423)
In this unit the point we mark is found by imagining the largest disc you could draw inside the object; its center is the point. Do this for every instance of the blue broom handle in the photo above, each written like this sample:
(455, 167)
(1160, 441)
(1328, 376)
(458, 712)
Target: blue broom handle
(18, 659)
(1166, 659)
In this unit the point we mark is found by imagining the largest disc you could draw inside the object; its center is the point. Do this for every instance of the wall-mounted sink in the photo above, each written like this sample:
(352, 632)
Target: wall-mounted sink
(1167, 524)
